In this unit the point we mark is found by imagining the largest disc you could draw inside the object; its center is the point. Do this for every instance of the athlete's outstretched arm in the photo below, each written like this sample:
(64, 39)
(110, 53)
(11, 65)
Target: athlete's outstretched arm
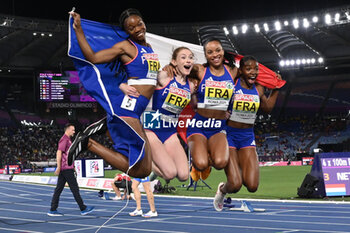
(267, 103)
(103, 56)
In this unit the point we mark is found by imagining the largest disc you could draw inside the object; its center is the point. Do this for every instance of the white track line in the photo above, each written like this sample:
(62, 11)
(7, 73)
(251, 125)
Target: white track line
(173, 216)
(92, 226)
(19, 230)
(211, 198)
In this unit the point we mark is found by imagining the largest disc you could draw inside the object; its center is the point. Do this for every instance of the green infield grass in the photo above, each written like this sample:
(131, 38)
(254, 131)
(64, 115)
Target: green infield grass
(275, 183)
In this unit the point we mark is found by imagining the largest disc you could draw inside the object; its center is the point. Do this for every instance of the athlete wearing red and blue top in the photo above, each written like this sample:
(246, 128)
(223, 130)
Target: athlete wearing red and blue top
(169, 101)
(143, 71)
(172, 95)
(243, 166)
(244, 107)
(214, 92)
(206, 136)
(133, 153)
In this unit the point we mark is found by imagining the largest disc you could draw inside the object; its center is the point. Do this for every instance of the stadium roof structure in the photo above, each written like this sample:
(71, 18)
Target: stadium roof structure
(313, 40)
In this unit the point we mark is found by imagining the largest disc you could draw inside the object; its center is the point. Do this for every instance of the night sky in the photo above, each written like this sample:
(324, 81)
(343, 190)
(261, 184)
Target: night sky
(166, 11)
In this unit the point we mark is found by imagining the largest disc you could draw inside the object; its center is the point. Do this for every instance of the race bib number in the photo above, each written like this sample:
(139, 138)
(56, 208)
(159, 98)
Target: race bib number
(153, 65)
(218, 93)
(244, 108)
(246, 103)
(176, 100)
(128, 103)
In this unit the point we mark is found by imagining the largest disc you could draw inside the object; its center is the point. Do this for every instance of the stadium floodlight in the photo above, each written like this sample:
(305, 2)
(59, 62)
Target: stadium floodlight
(226, 31)
(347, 15)
(234, 30)
(317, 150)
(278, 26)
(298, 62)
(315, 19)
(337, 17)
(244, 28)
(295, 23)
(328, 19)
(256, 27)
(306, 23)
(266, 27)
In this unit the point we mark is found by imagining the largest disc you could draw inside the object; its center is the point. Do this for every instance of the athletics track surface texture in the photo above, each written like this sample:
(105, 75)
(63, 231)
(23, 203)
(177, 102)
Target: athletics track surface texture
(24, 207)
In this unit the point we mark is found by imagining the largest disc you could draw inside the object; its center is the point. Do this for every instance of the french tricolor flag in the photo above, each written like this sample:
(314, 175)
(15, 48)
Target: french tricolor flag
(335, 189)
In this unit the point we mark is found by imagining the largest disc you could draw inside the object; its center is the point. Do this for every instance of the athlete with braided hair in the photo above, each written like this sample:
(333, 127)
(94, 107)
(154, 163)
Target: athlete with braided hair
(141, 66)
(243, 165)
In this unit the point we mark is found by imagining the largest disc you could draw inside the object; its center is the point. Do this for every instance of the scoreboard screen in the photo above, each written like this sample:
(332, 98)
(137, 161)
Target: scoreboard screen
(62, 87)
(336, 175)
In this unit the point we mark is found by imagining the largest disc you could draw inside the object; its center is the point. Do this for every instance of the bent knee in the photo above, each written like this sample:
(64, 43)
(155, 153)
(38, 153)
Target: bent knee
(169, 175)
(220, 162)
(252, 188)
(201, 165)
(183, 176)
(233, 187)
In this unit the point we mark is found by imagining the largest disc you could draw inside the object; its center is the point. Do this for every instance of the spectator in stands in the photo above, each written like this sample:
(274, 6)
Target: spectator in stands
(147, 186)
(66, 174)
(122, 181)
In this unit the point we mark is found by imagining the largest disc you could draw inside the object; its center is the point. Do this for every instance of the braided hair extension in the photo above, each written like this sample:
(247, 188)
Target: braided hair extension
(127, 13)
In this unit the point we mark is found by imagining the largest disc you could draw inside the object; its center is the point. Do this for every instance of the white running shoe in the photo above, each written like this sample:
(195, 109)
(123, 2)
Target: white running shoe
(219, 198)
(150, 214)
(116, 198)
(136, 212)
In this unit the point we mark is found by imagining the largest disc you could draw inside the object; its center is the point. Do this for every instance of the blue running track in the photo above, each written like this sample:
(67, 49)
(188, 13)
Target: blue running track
(24, 207)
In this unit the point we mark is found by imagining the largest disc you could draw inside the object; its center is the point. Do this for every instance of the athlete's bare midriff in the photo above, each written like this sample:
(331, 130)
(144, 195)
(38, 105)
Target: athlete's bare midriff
(145, 90)
(211, 113)
(239, 125)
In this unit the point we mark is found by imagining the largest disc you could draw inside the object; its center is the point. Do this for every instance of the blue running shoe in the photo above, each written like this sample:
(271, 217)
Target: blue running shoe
(87, 210)
(53, 213)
